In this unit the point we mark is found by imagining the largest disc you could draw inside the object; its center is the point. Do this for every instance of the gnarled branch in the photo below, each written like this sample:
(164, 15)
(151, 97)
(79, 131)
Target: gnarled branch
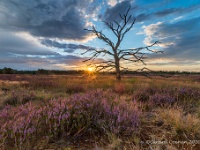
(119, 29)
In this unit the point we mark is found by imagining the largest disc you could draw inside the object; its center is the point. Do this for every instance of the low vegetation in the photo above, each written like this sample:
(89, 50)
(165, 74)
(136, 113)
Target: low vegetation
(98, 112)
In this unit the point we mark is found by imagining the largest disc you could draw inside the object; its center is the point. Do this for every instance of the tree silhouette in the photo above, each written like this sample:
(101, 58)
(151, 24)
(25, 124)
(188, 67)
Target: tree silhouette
(119, 29)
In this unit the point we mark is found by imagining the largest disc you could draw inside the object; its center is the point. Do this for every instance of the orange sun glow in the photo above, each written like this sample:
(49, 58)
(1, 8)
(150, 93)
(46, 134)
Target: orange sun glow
(90, 69)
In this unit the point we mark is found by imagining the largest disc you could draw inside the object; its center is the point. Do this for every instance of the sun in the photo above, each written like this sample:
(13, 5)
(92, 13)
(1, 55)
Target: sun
(90, 69)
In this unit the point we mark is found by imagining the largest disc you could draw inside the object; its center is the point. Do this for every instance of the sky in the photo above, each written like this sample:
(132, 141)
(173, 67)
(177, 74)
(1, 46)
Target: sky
(49, 34)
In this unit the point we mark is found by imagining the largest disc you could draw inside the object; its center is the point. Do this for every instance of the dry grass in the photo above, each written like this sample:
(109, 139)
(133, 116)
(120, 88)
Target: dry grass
(178, 121)
(176, 117)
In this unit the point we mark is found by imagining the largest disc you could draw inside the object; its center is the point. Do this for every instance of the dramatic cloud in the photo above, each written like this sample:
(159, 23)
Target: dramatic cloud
(29, 53)
(54, 19)
(112, 14)
(180, 39)
(35, 62)
(67, 47)
(16, 44)
(140, 13)
(42, 33)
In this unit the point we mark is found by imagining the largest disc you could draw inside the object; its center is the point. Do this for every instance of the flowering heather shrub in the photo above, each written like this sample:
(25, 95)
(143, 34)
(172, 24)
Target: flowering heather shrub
(188, 93)
(142, 95)
(167, 94)
(98, 110)
(107, 111)
(161, 99)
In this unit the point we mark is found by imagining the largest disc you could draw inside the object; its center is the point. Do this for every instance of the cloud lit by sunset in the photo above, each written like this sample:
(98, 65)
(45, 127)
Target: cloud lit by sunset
(50, 34)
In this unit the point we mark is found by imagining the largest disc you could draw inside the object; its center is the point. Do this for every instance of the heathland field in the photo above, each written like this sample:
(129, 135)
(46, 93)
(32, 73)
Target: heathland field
(73, 112)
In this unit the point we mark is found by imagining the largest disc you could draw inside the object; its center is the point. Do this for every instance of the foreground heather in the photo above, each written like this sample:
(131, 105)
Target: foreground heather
(101, 111)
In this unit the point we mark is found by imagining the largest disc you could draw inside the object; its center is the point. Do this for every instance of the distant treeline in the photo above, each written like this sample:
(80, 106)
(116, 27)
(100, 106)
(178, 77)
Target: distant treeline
(65, 72)
(39, 71)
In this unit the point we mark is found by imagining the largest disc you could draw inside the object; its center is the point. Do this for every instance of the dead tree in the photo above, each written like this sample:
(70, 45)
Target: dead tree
(119, 29)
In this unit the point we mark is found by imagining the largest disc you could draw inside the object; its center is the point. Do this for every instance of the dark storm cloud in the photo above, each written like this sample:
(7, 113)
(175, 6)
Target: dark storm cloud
(48, 18)
(70, 27)
(184, 36)
(67, 47)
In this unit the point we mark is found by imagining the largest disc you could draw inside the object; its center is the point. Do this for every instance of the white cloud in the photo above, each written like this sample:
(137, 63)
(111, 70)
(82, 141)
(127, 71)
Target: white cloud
(152, 34)
(180, 43)
(151, 29)
(112, 2)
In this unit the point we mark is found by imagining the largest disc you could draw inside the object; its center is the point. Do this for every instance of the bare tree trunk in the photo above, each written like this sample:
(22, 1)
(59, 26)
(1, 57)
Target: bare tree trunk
(119, 29)
(118, 75)
(117, 68)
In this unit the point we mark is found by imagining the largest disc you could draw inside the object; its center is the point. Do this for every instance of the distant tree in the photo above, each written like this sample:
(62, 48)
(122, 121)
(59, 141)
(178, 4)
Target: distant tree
(8, 70)
(119, 28)
(42, 71)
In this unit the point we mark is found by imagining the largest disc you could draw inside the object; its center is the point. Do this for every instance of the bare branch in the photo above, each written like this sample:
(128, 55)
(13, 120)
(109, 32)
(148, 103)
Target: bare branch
(137, 50)
(119, 29)
(99, 68)
(101, 36)
(124, 68)
(136, 53)
(111, 26)
(95, 53)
